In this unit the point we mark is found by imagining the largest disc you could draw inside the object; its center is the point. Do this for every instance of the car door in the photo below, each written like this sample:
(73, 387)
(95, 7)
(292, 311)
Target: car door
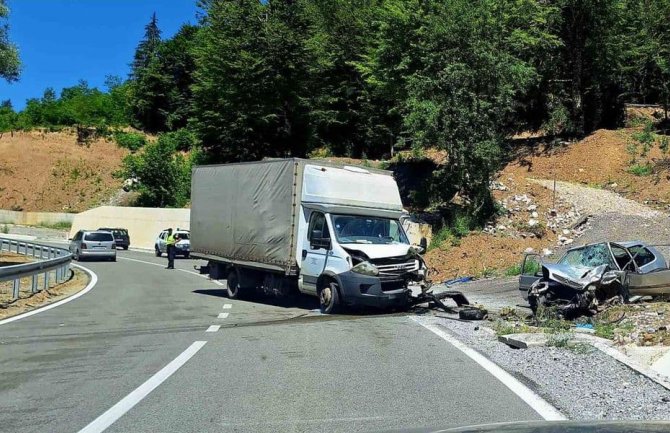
(74, 243)
(162, 241)
(531, 271)
(315, 252)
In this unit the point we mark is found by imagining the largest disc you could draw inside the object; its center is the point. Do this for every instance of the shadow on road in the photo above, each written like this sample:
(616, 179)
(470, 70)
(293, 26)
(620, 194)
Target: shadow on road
(303, 302)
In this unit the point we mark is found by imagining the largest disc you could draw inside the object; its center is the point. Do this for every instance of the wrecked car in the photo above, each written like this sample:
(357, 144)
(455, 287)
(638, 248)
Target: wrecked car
(588, 277)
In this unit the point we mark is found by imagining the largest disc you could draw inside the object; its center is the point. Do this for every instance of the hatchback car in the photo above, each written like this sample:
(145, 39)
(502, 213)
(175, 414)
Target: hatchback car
(121, 236)
(93, 244)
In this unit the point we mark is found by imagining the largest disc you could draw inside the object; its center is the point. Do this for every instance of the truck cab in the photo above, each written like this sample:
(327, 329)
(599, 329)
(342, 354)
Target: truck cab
(358, 260)
(353, 248)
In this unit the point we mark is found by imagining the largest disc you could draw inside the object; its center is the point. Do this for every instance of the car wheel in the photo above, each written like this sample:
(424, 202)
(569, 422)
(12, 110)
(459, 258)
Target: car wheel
(233, 285)
(158, 251)
(113, 259)
(187, 255)
(329, 298)
(125, 247)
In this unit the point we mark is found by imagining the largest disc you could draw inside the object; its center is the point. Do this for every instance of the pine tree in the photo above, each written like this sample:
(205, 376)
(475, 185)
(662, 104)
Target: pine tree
(147, 49)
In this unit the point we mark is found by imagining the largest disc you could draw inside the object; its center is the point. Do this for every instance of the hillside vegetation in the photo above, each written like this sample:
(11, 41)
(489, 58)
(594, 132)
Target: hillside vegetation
(363, 79)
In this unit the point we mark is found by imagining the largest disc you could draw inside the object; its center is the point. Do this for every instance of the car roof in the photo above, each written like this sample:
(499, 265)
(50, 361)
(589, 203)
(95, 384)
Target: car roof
(625, 244)
(95, 231)
(112, 228)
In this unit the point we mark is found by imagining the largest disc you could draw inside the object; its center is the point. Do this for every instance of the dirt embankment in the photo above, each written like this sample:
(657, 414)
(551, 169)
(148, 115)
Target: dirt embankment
(51, 172)
(593, 179)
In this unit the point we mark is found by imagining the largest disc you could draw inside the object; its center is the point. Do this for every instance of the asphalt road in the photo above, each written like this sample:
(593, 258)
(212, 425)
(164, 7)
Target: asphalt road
(269, 367)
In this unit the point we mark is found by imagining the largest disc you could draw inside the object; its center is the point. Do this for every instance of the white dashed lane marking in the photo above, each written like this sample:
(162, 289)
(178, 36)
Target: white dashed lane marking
(223, 315)
(227, 306)
(213, 328)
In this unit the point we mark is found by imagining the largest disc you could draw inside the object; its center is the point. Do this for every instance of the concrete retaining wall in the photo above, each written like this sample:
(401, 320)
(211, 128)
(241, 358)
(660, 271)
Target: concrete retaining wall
(144, 224)
(34, 218)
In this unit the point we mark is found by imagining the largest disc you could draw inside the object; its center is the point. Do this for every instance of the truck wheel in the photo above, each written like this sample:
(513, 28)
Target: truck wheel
(158, 251)
(233, 285)
(329, 298)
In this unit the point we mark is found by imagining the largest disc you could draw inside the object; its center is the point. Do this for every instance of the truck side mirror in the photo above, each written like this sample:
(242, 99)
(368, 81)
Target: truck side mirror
(318, 241)
(423, 243)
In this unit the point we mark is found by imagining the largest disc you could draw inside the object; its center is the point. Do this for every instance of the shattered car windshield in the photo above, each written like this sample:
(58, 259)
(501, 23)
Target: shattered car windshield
(350, 229)
(588, 257)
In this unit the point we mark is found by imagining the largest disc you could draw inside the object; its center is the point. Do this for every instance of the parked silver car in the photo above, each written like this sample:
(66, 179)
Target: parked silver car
(93, 244)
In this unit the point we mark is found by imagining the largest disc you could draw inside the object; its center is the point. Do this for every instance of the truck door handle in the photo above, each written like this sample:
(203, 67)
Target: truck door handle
(304, 254)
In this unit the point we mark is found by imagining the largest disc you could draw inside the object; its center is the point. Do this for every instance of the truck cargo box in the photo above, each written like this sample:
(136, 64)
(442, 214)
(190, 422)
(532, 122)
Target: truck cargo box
(246, 213)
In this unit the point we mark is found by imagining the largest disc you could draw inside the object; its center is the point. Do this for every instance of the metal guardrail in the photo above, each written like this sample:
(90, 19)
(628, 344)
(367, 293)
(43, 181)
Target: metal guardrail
(49, 261)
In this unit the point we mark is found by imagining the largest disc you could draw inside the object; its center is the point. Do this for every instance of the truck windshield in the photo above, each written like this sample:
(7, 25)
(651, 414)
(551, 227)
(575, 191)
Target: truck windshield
(351, 229)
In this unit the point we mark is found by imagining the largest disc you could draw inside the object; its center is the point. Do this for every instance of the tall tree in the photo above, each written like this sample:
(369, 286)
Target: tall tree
(147, 49)
(10, 65)
(250, 94)
(148, 97)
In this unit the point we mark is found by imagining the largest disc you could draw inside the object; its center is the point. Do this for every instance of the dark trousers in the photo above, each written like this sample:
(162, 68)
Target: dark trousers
(170, 253)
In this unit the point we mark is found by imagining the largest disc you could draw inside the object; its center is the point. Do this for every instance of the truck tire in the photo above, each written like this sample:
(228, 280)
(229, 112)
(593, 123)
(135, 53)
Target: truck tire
(329, 298)
(233, 285)
(158, 251)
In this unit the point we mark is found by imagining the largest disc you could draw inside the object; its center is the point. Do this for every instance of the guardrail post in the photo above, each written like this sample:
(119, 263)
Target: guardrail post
(33, 288)
(17, 288)
(45, 283)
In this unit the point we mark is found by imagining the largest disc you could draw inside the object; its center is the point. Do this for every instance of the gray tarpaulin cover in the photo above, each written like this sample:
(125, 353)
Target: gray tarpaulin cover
(244, 211)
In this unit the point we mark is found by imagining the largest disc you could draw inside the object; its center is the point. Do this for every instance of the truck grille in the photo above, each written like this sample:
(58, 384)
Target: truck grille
(397, 270)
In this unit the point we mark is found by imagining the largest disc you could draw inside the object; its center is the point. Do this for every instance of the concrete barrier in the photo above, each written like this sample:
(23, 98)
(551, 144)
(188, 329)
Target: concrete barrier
(144, 224)
(34, 218)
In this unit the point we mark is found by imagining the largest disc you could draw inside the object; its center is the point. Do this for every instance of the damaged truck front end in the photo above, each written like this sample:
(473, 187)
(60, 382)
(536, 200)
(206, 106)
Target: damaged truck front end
(588, 278)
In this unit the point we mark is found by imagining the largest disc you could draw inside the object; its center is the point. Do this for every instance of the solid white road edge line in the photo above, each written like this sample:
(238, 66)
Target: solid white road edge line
(537, 403)
(227, 306)
(108, 418)
(182, 270)
(223, 315)
(213, 328)
(89, 286)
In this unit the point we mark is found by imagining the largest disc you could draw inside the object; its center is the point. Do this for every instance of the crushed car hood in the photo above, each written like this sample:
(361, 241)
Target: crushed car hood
(576, 278)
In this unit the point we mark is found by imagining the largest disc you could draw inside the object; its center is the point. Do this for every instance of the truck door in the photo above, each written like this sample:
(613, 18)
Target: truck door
(315, 252)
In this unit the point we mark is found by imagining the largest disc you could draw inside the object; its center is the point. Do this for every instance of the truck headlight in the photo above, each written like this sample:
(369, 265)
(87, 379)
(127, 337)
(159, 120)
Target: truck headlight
(366, 268)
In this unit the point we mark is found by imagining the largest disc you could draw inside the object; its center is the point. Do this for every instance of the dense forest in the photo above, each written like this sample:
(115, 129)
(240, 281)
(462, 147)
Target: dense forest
(255, 79)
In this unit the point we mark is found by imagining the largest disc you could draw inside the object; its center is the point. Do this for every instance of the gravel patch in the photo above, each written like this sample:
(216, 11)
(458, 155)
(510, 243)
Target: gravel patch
(582, 382)
(597, 201)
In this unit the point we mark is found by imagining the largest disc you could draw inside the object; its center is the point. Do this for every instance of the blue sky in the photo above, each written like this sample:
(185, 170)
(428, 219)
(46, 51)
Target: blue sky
(63, 41)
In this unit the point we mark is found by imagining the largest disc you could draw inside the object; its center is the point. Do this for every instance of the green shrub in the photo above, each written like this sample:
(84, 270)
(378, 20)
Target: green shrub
(641, 169)
(443, 235)
(5, 229)
(132, 141)
(462, 225)
(320, 153)
(181, 140)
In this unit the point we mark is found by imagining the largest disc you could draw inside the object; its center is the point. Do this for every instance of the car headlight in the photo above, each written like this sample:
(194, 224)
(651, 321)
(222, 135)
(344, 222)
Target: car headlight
(366, 268)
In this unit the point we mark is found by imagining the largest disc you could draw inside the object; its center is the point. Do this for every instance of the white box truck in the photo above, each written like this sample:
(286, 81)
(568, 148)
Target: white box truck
(332, 231)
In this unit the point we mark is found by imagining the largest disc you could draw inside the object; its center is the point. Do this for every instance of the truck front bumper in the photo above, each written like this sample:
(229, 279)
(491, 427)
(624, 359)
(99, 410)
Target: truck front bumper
(362, 290)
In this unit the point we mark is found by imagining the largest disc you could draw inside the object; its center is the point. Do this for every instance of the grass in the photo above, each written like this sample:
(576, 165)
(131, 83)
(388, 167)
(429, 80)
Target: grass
(58, 225)
(640, 169)
(5, 229)
(513, 271)
(559, 339)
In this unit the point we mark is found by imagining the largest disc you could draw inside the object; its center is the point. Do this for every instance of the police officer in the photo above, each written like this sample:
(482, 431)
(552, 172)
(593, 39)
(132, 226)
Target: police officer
(169, 242)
